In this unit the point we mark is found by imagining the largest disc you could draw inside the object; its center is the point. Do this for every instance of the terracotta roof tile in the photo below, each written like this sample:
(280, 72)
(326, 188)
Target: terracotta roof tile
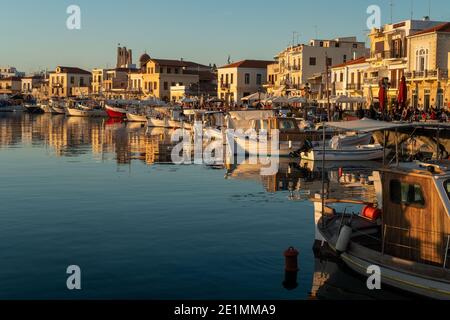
(252, 64)
(443, 27)
(351, 62)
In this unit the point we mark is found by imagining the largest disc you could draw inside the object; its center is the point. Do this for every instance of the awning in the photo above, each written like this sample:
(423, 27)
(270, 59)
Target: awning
(367, 125)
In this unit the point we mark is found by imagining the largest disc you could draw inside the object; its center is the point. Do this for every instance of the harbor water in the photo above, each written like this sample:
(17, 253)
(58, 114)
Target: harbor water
(103, 195)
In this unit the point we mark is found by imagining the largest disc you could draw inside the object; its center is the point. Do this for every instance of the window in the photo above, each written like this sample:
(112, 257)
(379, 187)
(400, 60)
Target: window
(155, 86)
(169, 70)
(177, 71)
(355, 46)
(422, 60)
(406, 194)
(161, 70)
(247, 78)
(329, 62)
(287, 125)
(321, 43)
(72, 80)
(227, 78)
(166, 86)
(447, 188)
(232, 78)
(312, 61)
(345, 58)
(81, 82)
(341, 77)
(259, 79)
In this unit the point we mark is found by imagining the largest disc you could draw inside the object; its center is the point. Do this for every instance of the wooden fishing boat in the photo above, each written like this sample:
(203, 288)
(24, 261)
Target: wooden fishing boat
(406, 232)
(115, 111)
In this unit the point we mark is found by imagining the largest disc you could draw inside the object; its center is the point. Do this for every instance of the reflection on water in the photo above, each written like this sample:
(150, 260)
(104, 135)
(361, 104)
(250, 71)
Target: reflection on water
(157, 230)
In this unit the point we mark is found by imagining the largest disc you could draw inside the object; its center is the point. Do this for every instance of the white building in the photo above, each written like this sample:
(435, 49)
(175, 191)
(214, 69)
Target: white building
(241, 79)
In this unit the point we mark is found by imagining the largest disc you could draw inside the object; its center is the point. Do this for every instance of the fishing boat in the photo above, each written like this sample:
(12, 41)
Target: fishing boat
(84, 109)
(32, 108)
(116, 111)
(154, 122)
(135, 117)
(405, 232)
(265, 122)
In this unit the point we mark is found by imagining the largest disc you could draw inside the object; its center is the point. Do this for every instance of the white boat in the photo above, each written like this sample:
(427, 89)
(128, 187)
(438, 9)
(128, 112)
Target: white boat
(357, 153)
(46, 107)
(79, 112)
(261, 124)
(58, 110)
(157, 123)
(133, 117)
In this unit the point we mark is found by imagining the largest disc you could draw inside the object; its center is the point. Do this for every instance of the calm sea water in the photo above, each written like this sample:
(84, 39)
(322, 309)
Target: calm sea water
(101, 196)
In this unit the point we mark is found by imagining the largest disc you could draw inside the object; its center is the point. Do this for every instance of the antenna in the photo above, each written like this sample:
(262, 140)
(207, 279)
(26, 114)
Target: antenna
(391, 5)
(429, 9)
(412, 9)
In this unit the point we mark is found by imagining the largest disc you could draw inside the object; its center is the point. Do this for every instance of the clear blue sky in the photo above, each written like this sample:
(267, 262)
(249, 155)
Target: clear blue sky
(34, 34)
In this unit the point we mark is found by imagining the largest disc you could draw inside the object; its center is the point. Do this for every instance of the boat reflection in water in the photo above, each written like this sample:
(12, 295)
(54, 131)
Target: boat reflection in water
(128, 143)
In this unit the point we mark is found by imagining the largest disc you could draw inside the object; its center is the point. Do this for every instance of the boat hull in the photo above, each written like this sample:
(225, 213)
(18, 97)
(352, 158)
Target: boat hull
(364, 153)
(157, 123)
(426, 287)
(136, 117)
(254, 147)
(85, 113)
(114, 112)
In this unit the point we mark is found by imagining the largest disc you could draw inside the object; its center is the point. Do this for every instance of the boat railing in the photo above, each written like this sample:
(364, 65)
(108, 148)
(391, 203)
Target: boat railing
(418, 244)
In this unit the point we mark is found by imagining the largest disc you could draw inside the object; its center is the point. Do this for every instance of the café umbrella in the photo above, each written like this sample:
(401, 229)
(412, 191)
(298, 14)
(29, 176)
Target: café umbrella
(382, 97)
(402, 92)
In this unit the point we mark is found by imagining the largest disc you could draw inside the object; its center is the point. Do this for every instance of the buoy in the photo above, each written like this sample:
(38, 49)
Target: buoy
(291, 256)
(344, 239)
(371, 213)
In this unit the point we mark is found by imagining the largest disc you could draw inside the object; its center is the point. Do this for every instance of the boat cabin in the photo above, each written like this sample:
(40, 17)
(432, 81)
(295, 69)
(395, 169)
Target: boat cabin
(415, 205)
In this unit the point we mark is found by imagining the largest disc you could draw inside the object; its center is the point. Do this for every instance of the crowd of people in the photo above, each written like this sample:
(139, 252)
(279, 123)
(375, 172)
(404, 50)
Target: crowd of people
(409, 114)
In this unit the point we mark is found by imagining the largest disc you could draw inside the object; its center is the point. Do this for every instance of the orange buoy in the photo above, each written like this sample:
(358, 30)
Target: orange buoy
(371, 213)
(291, 256)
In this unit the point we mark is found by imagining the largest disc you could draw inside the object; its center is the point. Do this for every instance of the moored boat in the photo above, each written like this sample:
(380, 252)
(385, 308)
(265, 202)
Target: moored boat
(115, 111)
(405, 233)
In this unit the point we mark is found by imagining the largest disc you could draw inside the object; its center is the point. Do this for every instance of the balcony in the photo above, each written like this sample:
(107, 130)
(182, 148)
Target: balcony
(427, 74)
(371, 81)
(294, 68)
(354, 86)
(393, 55)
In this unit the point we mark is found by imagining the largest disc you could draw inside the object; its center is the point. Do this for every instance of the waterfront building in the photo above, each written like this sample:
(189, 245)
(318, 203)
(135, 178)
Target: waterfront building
(10, 85)
(31, 83)
(240, 79)
(98, 76)
(295, 65)
(428, 66)
(389, 55)
(348, 78)
(159, 75)
(10, 72)
(64, 79)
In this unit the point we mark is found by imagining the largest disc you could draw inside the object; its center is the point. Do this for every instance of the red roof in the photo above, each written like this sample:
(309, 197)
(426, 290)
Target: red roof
(251, 64)
(351, 62)
(443, 27)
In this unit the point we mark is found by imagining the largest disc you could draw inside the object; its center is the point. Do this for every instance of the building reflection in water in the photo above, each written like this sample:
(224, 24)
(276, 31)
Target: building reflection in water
(127, 142)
